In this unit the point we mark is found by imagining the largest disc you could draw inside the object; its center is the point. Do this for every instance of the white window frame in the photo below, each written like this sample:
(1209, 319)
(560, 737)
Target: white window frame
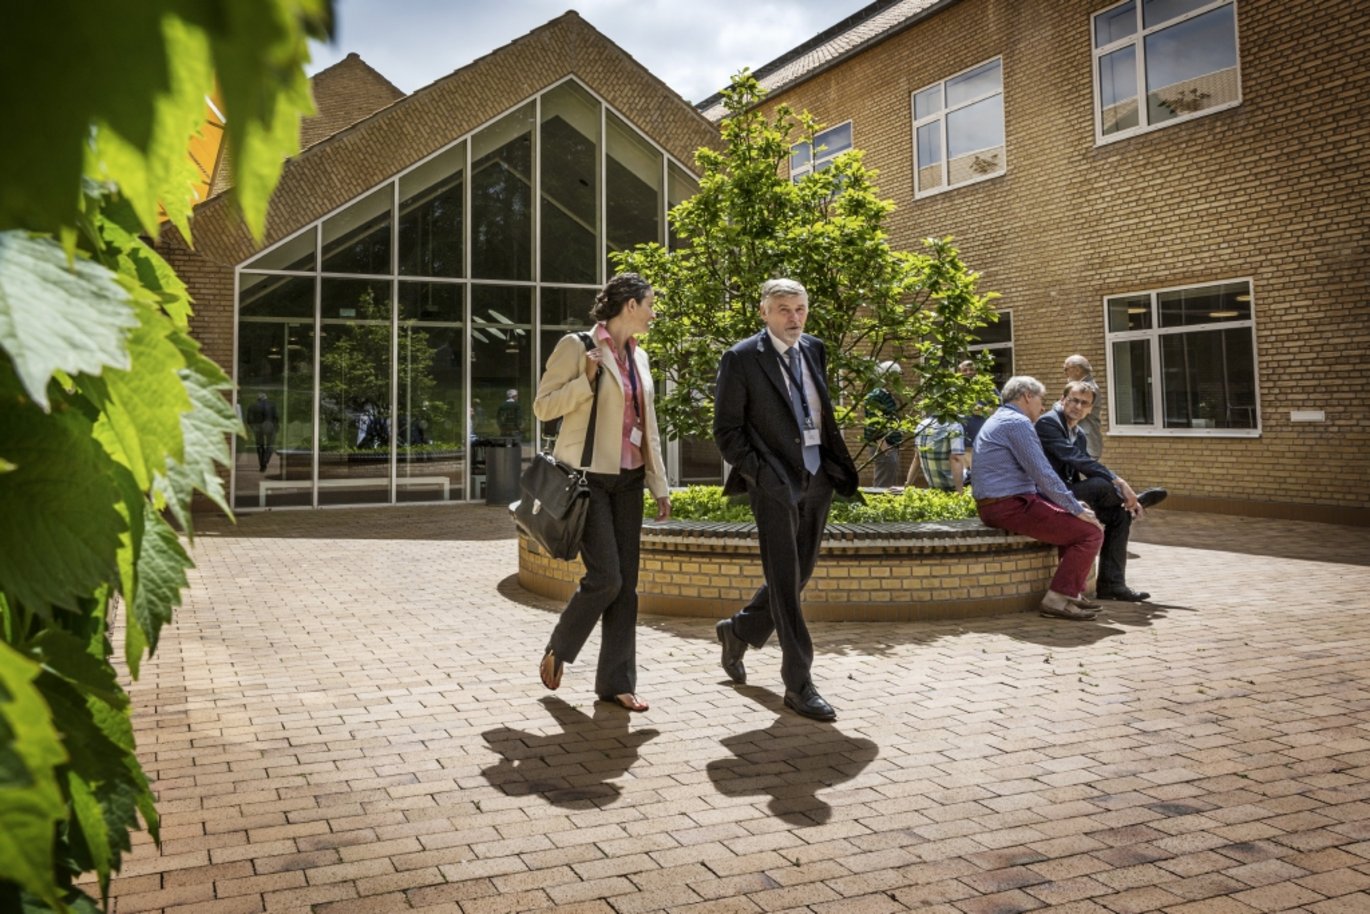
(1137, 39)
(1153, 335)
(941, 115)
(991, 347)
(821, 154)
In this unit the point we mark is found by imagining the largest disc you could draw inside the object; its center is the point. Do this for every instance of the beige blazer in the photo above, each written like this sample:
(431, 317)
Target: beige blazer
(565, 393)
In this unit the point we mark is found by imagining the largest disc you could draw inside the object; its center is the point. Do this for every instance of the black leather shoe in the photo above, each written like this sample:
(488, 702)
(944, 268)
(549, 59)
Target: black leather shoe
(1125, 594)
(733, 649)
(809, 703)
(1152, 497)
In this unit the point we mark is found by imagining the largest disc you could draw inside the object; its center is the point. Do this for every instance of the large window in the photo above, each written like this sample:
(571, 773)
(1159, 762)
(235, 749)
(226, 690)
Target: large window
(958, 129)
(1181, 53)
(1183, 361)
(390, 352)
(827, 145)
(997, 340)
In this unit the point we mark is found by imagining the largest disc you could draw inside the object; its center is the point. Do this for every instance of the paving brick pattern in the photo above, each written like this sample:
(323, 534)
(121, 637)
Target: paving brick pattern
(346, 717)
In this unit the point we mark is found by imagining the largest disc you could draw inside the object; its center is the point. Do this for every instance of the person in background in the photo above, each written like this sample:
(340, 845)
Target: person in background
(941, 454)
(972, 423)
(626, 457)
(1076, 368)
(882, 432)
(263, 419)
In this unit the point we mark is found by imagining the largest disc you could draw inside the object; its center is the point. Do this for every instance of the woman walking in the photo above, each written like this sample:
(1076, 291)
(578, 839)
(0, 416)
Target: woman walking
(626, 457)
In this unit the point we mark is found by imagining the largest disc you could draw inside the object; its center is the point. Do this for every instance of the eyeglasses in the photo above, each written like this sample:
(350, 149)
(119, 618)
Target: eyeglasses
(1076, 401)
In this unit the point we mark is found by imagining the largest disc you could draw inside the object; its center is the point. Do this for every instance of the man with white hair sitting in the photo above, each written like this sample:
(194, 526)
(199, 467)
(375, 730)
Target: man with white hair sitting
(1017, 490)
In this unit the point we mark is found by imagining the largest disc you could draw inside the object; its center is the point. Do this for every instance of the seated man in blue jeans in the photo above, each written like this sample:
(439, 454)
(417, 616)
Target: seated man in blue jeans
(1106, 493)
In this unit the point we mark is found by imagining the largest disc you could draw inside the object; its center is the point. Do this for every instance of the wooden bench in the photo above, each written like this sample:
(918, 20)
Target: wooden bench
(355, 482)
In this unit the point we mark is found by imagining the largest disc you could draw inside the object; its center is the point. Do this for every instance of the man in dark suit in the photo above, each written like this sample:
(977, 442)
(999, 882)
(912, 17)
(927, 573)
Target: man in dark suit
(773, 421)
(1113, 501)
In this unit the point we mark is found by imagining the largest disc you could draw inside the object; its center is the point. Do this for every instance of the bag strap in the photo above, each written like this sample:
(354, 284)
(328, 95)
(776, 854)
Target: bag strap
(588, 451)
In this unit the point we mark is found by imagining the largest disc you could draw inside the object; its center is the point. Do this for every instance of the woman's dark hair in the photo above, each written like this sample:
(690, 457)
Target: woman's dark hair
(617, 292)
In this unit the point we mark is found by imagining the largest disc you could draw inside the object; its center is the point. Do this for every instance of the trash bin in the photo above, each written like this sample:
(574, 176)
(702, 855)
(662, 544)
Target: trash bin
(503, 467)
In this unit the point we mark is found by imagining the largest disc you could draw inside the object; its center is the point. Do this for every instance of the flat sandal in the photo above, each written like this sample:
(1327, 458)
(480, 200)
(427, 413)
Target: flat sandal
(550, 675)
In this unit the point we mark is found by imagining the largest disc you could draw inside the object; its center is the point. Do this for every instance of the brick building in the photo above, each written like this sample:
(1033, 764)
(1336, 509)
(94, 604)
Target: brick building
(1173, 188)
(1170, 187)
(423, 253)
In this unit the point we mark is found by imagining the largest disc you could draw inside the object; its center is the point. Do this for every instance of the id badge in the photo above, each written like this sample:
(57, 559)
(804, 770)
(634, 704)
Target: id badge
(813, 437)
(635, 436)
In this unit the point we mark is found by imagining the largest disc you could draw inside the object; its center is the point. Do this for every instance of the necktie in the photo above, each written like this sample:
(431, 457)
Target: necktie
(812, 461)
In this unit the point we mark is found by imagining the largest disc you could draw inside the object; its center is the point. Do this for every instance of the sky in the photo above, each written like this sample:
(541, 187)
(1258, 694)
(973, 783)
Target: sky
(694, 46)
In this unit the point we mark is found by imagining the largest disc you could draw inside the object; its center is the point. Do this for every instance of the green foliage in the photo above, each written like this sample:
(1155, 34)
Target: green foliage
(709, 503)
(113, 418)
(868, 302)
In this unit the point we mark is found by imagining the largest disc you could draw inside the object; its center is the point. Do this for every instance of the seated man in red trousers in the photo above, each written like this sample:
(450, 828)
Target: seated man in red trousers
(1017, 490)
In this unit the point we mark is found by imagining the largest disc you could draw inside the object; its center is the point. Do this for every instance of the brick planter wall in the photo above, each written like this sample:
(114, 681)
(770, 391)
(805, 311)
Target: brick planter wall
(866, 572)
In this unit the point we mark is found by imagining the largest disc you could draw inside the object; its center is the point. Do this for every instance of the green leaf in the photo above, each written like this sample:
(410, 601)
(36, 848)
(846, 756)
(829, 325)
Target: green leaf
(141, 425)
(132, 507)
(162, 566)
(6, 466)
(68, 657)
(134, 259)
(205, 429)
(30, 800)
(58, 317)
(65, 547)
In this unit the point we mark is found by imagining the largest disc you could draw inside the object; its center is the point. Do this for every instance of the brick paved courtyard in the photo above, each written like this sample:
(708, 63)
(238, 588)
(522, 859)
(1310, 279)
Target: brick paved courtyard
(347, 718)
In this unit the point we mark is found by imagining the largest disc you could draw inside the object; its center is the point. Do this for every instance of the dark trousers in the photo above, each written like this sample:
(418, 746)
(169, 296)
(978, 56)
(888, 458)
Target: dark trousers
(790, 536)
(1107, 505)
(608, 591)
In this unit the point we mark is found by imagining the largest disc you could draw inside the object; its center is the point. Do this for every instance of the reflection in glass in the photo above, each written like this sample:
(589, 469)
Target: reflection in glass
(295, 254)
(355, 421)
(633, 184)
(801, 154)
(975, 140)
(262, 295)
(930, 156)
(1191, 66)
(700, 462)
(431, 441)
(982, 80)
(1154, 12)
(501, 379)
(357, 240)
(927, 102)
(566, 310)
(1115, 24)
(831, 143)
(1129, 312)
(431, 212)
(1118, 90)
(570, 185)
(1205, 305)
(1210, 379)
(679, 188)
(1132, 383)
(502, 198)
(274, 463)
(1000, 331)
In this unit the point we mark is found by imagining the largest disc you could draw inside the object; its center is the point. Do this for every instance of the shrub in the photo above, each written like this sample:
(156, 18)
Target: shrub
(709, 503)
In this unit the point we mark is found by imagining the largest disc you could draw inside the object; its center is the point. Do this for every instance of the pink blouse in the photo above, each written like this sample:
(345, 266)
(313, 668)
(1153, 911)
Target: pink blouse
(631, 455)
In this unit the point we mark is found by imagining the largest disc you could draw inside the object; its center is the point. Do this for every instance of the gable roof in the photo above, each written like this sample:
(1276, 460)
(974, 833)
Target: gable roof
(358, 157)
(874, 23)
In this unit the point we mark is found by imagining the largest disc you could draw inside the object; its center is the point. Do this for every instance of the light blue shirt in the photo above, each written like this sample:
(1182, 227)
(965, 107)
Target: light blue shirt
(1009, 460)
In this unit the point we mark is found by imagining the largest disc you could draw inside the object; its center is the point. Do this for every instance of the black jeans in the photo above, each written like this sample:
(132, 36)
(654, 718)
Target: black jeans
(1107, 505)
(613, 539)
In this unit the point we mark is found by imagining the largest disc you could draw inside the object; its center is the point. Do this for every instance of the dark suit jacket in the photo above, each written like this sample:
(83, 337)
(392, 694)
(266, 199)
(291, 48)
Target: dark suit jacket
(1066, 449)
(755, 426)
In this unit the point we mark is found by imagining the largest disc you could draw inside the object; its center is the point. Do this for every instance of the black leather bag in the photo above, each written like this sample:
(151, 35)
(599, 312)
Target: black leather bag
(555, 497)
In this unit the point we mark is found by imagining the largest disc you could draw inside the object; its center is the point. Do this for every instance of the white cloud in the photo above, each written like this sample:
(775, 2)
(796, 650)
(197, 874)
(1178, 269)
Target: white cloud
(694, 46)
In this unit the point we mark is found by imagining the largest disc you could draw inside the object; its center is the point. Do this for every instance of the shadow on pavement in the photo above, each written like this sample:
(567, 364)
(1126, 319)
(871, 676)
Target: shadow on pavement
(1287, 539)
(573, 768)
(438, 522)
(791, 761)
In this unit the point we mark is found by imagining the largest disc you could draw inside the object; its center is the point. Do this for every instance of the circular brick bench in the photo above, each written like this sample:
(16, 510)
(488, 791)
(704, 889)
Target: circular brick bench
(883, 572)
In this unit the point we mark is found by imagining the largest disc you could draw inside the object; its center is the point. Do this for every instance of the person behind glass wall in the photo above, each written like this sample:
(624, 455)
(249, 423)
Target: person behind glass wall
(625, 459)
(263, 419)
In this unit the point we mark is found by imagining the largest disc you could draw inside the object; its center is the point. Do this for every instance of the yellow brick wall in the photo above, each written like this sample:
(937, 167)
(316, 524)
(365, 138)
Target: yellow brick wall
(1267, 190)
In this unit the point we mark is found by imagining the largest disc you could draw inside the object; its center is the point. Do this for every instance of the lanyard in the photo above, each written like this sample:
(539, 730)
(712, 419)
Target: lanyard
(632, 379)
(798, 381)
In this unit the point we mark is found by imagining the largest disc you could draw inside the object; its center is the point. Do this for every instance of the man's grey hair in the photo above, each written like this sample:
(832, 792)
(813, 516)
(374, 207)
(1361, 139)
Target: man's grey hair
(1019, 386)
(1080, 362)
(1081, 387)
(782, 288)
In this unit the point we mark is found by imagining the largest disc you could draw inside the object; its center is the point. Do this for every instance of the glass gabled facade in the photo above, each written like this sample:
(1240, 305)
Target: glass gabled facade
(389, 352)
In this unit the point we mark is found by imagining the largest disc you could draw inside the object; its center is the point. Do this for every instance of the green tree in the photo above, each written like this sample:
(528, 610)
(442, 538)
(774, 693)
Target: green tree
(868, 302)
(112, 418)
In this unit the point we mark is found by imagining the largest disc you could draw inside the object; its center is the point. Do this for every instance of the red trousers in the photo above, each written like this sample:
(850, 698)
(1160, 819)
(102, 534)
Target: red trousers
(1034, 516)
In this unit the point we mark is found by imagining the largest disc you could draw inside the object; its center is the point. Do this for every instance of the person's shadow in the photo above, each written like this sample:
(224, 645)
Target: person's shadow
(572, 768)
(791, 760)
